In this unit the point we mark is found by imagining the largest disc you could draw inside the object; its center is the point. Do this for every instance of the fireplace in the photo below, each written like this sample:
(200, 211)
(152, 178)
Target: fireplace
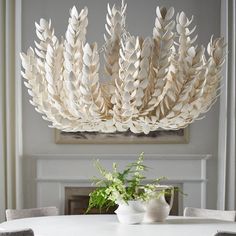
(60, 178)
(77, 198)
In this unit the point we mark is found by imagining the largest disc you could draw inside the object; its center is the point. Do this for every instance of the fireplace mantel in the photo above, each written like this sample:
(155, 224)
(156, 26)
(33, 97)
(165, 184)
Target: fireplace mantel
(55, 172)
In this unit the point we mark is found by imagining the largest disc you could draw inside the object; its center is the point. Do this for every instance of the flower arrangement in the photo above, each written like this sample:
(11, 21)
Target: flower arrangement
(119, 187)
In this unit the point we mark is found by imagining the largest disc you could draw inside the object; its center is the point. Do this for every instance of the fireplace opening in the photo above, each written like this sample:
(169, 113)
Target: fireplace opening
(77, 198)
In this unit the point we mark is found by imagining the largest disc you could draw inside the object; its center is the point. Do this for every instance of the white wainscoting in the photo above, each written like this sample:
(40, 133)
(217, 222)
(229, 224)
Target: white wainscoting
(54, 172)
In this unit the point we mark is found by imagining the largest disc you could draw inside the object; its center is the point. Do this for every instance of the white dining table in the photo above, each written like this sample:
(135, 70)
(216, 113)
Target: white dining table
(108, 225)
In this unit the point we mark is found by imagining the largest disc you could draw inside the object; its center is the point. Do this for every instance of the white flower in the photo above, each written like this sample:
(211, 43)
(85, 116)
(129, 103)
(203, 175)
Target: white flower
(109, 176)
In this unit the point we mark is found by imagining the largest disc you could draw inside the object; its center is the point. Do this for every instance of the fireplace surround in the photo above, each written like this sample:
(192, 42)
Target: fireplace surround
(53, 173)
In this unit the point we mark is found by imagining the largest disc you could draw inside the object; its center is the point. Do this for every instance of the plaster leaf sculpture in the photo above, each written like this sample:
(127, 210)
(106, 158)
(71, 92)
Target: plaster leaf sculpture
(164, 81)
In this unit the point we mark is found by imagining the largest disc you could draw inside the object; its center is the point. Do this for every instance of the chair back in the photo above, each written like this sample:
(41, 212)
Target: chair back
(25, 232)
(224, 233)
(12, 214)
(211, 214)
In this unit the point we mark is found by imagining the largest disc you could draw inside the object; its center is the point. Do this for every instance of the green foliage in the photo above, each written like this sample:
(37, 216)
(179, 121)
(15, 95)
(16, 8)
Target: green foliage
(121, 186)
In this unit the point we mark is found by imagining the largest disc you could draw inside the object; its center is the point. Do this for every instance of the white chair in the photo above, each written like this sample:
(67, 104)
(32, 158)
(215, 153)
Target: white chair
(211, 214)
(25, 232)
(224, 233)
(12, 214)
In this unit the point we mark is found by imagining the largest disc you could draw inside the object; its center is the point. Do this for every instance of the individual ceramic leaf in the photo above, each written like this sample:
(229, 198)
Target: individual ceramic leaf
(170, 13)
(183, 19)
(158, 12)
(191, 52)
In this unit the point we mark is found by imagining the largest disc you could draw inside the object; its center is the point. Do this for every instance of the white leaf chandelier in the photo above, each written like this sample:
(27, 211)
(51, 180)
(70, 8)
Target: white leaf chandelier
(159, 82)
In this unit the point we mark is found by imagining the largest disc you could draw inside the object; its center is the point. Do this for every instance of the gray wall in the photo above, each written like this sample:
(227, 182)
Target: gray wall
(38, 138)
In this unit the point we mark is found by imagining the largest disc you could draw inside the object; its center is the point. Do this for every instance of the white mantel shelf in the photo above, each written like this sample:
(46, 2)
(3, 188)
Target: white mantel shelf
(87, 181)
(113, 156)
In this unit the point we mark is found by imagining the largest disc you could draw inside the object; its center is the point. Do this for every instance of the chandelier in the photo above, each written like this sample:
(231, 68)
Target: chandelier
(163, 81)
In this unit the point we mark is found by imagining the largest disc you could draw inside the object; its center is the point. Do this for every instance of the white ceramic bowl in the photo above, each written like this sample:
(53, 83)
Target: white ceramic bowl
(135, 218)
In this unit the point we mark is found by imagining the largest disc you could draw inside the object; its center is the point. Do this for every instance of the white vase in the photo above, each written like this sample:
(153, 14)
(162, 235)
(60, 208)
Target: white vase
(131, 212)
(157, 209)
